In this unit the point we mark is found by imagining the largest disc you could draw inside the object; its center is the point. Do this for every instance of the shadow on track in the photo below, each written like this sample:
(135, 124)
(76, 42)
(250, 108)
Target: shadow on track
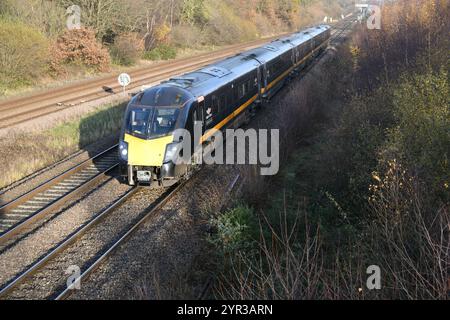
(100, 131)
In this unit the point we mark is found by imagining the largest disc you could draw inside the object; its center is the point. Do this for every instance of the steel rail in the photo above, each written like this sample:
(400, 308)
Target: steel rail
(62, 91)
(79, 94)
(69, 290)
(24, 206)
(38, 265)
(74, 237)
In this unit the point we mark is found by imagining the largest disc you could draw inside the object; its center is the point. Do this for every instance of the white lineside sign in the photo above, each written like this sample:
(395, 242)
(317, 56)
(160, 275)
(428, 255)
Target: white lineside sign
(124, 80)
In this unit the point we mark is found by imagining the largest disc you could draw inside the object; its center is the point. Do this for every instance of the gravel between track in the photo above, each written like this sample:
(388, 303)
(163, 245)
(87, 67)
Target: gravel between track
(56, 228)
(157, 260)
(52, 278)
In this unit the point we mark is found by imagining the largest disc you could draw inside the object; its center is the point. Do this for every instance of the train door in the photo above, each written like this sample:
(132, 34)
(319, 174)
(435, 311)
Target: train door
(260, 80)
(199, 113)
(197, 117)
(265, 75)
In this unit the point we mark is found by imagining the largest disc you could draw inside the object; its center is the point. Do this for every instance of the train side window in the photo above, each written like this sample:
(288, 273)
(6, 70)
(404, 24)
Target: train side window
(242, 90)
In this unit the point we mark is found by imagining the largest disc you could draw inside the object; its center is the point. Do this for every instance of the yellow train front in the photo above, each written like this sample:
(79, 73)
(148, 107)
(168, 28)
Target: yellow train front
(219, 96)
(147, 147)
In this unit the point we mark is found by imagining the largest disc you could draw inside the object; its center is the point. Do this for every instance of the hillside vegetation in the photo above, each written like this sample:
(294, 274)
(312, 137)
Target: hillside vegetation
(365, 180)
(123, 32)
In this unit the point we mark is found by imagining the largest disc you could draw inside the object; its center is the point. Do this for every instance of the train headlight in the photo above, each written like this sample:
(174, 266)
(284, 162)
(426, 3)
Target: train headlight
(171, 152)
(123, 150)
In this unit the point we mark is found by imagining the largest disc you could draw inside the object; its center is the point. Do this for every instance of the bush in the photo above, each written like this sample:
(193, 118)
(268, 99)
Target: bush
(187, 36)
(160, 53)
(225, 26)
(407, 235)
(79, 47)
(23, 54)
(127, 49)
(235, 229)
(422, 136)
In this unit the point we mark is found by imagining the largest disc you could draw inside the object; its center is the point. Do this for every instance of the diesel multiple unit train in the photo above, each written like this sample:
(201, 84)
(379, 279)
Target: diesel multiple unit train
(222, 95)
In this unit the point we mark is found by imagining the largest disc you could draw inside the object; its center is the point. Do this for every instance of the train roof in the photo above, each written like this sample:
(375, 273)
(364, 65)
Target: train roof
(210, 78)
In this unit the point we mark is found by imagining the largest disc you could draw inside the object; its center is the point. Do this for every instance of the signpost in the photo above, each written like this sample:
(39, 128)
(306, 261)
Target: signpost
(124, 80)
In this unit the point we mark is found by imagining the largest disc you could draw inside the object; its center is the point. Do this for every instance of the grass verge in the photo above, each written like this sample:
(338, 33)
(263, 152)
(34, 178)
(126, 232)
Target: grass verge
(23, 154)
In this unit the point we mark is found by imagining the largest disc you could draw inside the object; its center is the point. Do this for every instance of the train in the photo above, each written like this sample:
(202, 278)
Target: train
(221, 95)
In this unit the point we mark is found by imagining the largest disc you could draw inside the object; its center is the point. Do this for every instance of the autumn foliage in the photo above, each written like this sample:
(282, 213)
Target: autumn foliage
(79, 47)
(127, 49)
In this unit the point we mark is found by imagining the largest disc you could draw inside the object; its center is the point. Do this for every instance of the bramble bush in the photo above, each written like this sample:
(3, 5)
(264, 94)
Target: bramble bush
(79, 47)
(234, 229)
(374, 181)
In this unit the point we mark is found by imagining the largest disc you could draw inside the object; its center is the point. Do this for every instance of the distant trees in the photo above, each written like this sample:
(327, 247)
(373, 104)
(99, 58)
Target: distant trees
(103, 16)
(154, 28)
(193, 12)
(46, 16)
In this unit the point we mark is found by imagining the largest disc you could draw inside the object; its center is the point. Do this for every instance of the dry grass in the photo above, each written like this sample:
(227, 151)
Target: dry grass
(318, 233)
(22, 154)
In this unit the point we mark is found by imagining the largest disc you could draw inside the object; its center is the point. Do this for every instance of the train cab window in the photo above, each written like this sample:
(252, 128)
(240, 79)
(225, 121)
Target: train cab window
(163, 122)
(138, 121)
(151, 122)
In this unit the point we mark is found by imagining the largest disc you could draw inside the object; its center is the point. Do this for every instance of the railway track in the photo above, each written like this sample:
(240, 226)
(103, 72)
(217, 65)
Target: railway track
(66, 291)
(112, 247)
(19, 214)
(17, 110)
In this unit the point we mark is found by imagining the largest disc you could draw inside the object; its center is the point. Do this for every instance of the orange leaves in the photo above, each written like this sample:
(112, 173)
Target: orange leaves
(78, 46)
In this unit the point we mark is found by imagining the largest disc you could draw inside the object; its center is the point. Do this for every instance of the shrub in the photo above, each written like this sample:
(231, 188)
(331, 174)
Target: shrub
(160, 53)
(224, 26)
(161, 34)
(422, 137)
(127, 49)
(79, 47)
(186, 36)
(234, 229)
(407, 235)
(23, 54)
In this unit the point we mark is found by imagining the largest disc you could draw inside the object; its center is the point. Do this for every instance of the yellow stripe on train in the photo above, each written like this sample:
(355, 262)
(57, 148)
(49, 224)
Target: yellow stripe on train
(148, 153)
